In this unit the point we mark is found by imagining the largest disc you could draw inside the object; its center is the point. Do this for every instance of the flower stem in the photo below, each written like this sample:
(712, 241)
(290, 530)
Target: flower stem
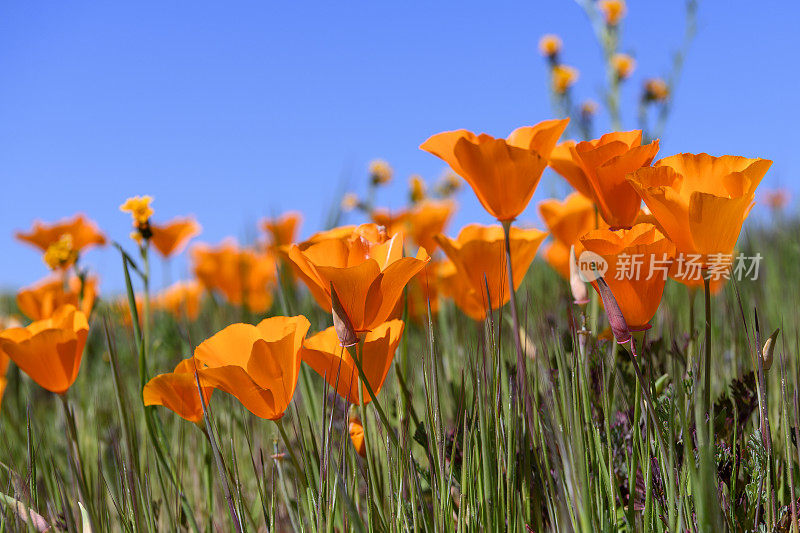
(707, 376)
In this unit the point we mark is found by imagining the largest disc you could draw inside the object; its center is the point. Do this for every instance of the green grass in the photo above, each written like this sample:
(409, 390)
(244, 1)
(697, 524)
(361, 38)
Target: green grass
(463, 449)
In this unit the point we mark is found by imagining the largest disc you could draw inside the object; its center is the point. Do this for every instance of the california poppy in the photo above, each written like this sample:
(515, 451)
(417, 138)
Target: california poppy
(83, 232)
(243, 276)
(4, 363)
(42, 299)
(701, 201)
(171, 238)
(420, 223)
(597, 169)
(49, 350)
(356, 431)
(367, 270)
(181, 299)
(178, 392)
(568, 221)
(503, 172)
(282, 231)
(478, 259)
(324, 353)
(256, 364)
(638, 262)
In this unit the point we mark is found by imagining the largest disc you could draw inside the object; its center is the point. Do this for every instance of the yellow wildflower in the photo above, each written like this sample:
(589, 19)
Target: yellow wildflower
(380, 172)
(564, 77)
(139, 208)
(61, 254)
(550, 45)
(612, 10)
(623, 65)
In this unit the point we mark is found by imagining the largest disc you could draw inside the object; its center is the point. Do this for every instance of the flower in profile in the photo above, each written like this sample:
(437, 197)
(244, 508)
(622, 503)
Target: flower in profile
(420, 223)
(171, 238)
(568, 221)
(613, 11)
(324, 353)
(477, 260)
(448, 184)
(563, 77)
(356, 431)
(550, 45)
(380, 172)
(350, 202)
(256, 364)
(588, 109)
(777, 199)
(366, 269)
(623, 65)
(49, 350)
(178, 391)
(139, 208)
(282, 230)
(598, 169)
(416, 189)
(61, 254)
(639, 260)
(84, 233)
(700, 201)
(656, 90)
(243, 276)
(181, 299)
(41, 300)
(503, 173)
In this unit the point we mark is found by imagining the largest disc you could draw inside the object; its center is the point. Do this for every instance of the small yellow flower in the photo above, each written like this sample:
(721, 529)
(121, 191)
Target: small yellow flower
(349, 201)
(656, 90)
(612, 10)
(61, 254)
(137, 236)
(139, 208)
(564, 77)
(416, 189)
(380, 172)
(449, 184)
(550, 45)
(588, 108)
(623, 65)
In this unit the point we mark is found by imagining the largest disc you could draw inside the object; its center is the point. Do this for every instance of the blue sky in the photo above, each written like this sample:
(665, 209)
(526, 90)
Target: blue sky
(233, 110)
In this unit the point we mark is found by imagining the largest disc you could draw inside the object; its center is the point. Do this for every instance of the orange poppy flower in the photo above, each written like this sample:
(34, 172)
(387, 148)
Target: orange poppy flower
(597, 169)
(181, 299)
(4, 363)
(84, 233)
(177, 391)
(420, 223)
(256, 364)
(171, 238)
(638, 262)
(356, 430)
(423, 289)
(478, 258)
(367, 271)
(392, 221)
(502, 172)
(39, 301)
(49, 350)
(243, 276)
(282, 231)
(324, 353)
(701, 201)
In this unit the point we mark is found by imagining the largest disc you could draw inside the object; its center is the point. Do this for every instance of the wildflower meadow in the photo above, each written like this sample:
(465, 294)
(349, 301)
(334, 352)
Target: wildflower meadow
(628, 362)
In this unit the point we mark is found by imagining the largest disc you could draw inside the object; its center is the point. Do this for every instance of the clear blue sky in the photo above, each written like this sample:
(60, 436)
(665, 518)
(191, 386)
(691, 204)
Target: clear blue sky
(233, 110)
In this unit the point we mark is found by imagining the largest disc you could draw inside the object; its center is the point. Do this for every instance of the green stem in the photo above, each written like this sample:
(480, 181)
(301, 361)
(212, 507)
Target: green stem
(707, 376)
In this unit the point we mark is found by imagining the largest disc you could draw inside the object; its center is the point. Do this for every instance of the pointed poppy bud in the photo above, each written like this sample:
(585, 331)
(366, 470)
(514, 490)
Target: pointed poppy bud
(579, 292)
(768, 353)
(615, 319)
(341, 322)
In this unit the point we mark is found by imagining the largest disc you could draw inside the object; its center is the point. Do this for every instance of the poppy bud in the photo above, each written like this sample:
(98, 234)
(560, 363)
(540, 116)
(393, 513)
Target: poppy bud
(341, 322)
(579, 292)
(356, 430)
(615, 319)
(768, 353)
